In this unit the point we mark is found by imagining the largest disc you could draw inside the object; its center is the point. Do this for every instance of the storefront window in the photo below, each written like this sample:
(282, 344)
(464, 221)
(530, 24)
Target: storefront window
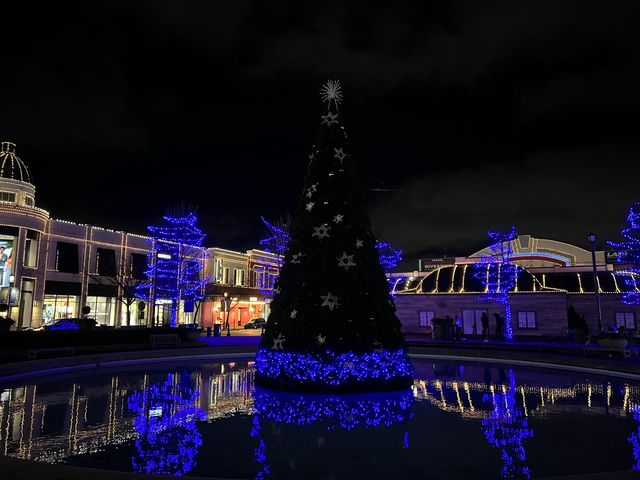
(135, 320)
(59, 306)
(6, 259)
(103, 309)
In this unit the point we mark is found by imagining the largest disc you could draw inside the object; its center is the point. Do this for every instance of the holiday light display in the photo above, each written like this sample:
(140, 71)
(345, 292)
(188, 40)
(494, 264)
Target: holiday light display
(330, 412)
(165, 421)
(628, 255)
(634, 438)
(334, 411)
(275, 243)
(498, 273)
(332, 324)
(506, 428)
(389, 256)
(328, 370)
(175, 264)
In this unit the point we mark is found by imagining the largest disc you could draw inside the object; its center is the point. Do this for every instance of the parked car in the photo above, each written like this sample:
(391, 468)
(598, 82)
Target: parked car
(71, 324)
(257, 322)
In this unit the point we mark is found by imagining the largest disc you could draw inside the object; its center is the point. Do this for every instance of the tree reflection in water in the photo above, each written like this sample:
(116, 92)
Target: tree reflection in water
(634, 438)
(165, 421)
(505, 428)
(332, 412)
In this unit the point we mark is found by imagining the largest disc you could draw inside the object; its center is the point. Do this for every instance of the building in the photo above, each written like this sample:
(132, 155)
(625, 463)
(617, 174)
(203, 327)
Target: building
(50, 269)
(247, 278)
(553, 276)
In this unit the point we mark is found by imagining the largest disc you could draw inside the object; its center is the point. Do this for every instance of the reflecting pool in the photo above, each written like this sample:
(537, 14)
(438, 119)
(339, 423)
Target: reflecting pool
(459, 420)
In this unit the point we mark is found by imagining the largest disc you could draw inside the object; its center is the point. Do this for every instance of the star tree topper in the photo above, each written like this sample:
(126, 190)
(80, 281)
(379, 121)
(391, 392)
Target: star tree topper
(332, 92)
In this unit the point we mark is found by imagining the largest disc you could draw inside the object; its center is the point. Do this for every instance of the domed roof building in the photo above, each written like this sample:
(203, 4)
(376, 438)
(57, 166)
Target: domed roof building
(11, 166)
(15, 178)
(551, 277)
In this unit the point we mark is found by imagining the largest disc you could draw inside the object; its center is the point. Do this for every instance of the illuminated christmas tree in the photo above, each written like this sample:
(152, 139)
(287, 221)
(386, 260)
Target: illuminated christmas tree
(628, 255)
(332, 324)
(175, 264)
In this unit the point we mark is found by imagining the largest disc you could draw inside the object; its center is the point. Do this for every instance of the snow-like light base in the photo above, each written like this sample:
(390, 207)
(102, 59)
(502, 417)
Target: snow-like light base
(334, 372)
(335, 411)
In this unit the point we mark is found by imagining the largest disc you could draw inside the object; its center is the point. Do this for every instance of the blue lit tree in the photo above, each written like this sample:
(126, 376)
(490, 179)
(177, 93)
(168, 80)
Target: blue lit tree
(498, 273)
(275, 242)
(506, 428)
(333, 325)
(389, 259)
(634, 438)
(628, 255)
(175, 264)
(165, 421)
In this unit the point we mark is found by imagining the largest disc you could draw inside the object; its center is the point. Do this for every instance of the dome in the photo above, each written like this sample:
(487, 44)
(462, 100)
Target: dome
(11, 166)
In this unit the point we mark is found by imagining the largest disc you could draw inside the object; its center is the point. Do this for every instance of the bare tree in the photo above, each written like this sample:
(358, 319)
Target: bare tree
(124, 280)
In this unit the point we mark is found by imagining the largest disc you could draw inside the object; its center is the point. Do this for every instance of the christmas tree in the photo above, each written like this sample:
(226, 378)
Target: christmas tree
(332, 325)
(628, 255)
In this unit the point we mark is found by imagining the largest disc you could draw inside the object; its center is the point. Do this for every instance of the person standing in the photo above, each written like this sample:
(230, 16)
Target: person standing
(484, 320)
(3, 265)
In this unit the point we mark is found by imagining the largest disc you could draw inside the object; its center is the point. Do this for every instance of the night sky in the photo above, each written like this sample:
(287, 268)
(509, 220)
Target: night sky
(463, 116)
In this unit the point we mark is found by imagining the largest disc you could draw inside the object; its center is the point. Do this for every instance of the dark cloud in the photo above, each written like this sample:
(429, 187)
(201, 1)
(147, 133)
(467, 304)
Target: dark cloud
(562, 195)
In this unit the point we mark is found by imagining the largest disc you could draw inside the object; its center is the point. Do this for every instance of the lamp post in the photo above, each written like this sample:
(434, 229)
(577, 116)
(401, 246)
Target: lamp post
(596, 283)
(226, 306)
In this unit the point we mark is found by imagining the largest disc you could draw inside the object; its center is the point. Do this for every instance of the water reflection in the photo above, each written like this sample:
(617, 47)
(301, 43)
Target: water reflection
(154, 416)
(505, 428)
(167, 438)
(309, 416)
(634, 438)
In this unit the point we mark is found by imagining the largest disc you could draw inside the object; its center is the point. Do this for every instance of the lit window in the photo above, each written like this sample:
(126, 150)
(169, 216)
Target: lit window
(628, 319)
(527, 320)
(7, 197)
(426, 318)
(28, 201)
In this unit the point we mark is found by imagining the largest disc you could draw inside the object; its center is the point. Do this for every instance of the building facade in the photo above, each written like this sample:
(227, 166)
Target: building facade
(50, 269)
(553, 276)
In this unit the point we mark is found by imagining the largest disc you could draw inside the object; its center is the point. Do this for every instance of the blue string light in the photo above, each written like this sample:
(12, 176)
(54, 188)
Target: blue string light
(175, 263)
(498, 273)
(333, 411)
(506, 428)
(634, 438)
(165, 420)
(311, 371)
(628, 255)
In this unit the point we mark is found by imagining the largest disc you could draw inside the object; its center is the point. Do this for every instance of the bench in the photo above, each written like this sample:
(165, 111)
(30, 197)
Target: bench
(164, 340)
(33, 352)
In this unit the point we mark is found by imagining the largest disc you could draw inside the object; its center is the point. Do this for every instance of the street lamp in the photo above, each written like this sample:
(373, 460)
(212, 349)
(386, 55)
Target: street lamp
(226, 307)
(596, 283)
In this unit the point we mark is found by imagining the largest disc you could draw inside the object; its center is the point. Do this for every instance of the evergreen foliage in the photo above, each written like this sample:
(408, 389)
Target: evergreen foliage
(332, 294)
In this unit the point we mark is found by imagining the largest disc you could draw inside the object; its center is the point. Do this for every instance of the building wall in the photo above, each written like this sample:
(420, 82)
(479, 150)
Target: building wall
(550, 310)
